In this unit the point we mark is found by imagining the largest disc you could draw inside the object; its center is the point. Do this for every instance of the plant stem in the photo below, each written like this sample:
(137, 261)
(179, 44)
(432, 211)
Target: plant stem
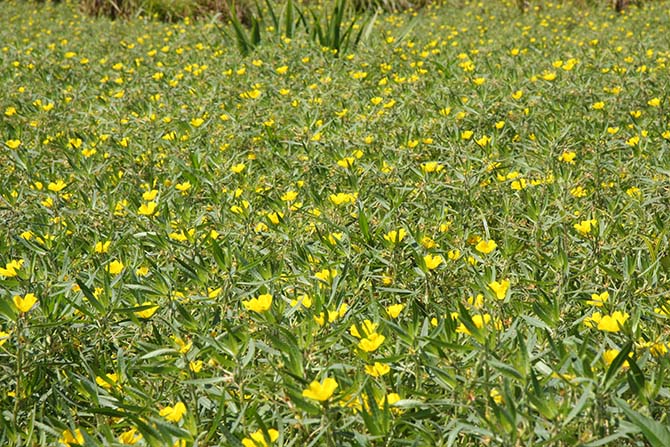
(19, 366)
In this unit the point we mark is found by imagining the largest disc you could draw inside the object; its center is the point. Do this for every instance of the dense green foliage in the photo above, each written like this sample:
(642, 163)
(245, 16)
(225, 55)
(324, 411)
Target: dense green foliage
(463, 225)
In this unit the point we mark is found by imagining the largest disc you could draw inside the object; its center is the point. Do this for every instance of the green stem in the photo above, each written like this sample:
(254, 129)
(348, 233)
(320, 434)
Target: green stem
(19, 366)
(330, 439)
(192, 390)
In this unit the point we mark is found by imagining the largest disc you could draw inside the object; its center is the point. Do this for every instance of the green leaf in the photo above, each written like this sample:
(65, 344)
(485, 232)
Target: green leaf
(243, 41)
(616, 364)
(657, 434)
(89, 295)
(579, 406)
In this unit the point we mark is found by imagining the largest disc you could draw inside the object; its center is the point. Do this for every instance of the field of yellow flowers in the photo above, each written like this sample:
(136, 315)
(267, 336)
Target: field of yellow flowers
(455, 234)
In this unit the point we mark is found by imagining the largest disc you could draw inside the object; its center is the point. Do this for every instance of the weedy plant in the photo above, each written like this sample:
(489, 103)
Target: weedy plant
(334, 28)
(453, 235)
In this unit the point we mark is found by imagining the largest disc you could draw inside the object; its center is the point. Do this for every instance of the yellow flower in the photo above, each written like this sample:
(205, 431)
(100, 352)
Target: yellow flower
(214, 293)
(334, 237)
(392, 398)
(659, 349)
(197, 122)
(633, 141)
(598, 300)
(519, 185)
(56, 186)
(377, 370)
(289, 196)
(183, 187)
(184, 346)
(70, 438)
(174, 414)
(614, 322)
(428, 242)
(181, 237)
(568, 157)
(394, 310)
(150, 195)
(102, 247)
(276, 217)
(584, 227)
(548, 75)
(598, 105)
(395, 236)
(578, 192)
(654, 102)
(257, 439)
(4, 336)
(432, 262)
(593, 320)
(237, 209)
(130, 437)
(320, 391)
(483, 141)
(88, 152)
(24, 304)
(371, 343)
(445, 111)
(11, 268)
(304, 299)
(108, 381)
(368, 327)
(13, 144)
(431, 166)
(260, 304)
(500, 288)
(195, 365)
(610, 354)
(148, 312)
(342, 198)
(477, 302)
(326, 275)
(479, 321)
(251, 94)
(147, 209)
(634, 192)
(486, 247)
(496, 396)
(115, 267)
(466, 134)
(238, 168)
(517, 94)
(454, 255)
(320, 319)
(664, 309)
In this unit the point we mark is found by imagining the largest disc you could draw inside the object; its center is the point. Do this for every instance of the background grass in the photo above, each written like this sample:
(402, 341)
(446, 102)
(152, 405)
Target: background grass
(123, 111)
